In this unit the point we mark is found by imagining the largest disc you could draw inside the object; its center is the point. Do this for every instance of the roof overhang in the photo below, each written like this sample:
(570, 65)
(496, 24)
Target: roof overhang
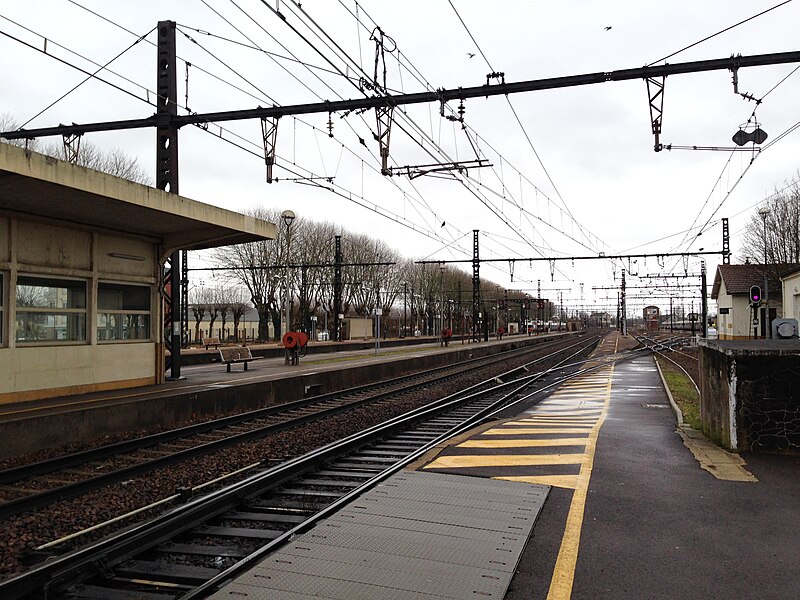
(40, 186)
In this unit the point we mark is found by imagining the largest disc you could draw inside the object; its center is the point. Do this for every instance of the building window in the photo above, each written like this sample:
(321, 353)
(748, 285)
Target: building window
(2, 312)
(123, 312)
(50, 310)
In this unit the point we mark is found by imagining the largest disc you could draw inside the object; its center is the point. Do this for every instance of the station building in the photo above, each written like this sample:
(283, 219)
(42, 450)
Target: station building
(731, 290)
(81, 261)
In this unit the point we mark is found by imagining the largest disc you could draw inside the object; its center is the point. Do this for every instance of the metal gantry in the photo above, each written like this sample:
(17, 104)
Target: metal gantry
(167, 123)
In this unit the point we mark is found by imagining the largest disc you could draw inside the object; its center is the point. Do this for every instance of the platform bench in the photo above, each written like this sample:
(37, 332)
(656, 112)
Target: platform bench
(211, 341)
(237, 354)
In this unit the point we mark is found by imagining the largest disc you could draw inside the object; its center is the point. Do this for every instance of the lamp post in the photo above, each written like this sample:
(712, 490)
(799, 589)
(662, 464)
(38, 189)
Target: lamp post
(287, 216)
(405, 312)
(764, 212)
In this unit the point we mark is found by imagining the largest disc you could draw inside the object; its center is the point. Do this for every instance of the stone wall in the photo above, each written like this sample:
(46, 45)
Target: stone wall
(750, 394)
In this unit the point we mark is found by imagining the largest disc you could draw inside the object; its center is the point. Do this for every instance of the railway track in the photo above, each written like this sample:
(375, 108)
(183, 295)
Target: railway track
(32, 486)
(191, 550)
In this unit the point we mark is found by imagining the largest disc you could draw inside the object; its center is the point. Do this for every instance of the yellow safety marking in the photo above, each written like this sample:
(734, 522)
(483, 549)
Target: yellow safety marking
(523, 443)
(558, 418)
(564, 571)
(529, 430)
(562, 481)
(505, 460)
(529, 422)
(555, 423)
(567, 413)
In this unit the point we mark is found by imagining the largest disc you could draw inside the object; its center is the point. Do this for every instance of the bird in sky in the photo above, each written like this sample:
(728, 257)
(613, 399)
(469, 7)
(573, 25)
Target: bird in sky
(608, 28)
(470, 54)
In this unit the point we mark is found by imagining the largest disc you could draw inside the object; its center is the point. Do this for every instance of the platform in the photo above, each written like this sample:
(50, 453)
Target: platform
(207, 389)
(630, 512)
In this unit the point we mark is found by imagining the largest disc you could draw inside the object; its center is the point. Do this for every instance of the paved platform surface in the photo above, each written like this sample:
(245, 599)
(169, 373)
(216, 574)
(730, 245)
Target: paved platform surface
(630, 512)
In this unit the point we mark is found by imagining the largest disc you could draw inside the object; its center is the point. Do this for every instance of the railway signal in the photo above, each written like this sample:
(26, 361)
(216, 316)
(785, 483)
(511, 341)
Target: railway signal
(755, 295)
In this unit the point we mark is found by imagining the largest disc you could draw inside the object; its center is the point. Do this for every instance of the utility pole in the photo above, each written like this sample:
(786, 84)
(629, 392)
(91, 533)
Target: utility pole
(167, 180)
(476, 288)
(623, 310)
(704, 299)
(337, 288)
(405, 312)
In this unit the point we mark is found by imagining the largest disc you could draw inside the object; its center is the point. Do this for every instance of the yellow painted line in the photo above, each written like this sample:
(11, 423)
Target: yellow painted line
(568, 419)
(564, 570)
(566, 413)
(562, 481)
(505, 460)
(555, 423)
(529, 430)
(523, 443)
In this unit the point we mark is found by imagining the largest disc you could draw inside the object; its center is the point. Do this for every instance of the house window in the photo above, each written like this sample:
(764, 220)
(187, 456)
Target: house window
(2, 312)
(50, 310)
(123, 312)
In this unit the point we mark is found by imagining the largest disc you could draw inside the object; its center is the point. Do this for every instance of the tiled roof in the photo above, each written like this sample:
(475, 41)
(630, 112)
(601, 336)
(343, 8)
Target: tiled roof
(739, 278)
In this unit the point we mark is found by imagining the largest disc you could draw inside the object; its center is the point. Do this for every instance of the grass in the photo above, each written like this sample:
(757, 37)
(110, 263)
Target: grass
(683, 392)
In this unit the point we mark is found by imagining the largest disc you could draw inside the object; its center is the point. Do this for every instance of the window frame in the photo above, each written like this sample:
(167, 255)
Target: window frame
(51, 311)
(3, 309)
(100, 311)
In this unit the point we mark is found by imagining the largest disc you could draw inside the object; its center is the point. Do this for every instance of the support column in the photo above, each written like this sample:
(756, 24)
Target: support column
(167, 180)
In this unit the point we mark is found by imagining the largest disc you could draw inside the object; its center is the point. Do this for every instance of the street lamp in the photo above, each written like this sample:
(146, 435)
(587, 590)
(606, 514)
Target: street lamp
(764, 212)
(288, 216)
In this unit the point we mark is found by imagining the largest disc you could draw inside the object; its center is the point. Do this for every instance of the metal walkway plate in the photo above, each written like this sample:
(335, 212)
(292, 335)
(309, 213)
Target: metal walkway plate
(417, 536)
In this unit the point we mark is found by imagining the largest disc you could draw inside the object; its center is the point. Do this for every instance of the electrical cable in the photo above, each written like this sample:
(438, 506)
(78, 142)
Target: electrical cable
(705, 39)
(88, 78)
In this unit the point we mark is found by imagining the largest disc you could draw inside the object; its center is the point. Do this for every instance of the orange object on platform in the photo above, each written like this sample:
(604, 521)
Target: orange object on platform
(292, 339)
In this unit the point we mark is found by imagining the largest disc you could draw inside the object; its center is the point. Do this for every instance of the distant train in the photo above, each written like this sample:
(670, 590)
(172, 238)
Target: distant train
(652, 318)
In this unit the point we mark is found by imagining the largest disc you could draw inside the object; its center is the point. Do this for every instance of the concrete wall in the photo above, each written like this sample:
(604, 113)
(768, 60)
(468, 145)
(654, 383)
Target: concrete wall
(716, 378)
(750, 394)
(42, 369)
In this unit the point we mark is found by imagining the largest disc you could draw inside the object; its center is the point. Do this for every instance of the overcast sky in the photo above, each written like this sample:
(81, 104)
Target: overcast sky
(583, 152)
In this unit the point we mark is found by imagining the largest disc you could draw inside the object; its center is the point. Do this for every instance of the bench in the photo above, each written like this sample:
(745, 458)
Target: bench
(237, 354)
(211, 341)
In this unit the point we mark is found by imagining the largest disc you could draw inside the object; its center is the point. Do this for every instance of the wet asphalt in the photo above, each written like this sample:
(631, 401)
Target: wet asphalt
(656, 525)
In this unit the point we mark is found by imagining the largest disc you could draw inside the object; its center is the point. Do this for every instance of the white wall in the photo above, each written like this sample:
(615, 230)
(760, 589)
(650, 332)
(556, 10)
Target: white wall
(46, 368)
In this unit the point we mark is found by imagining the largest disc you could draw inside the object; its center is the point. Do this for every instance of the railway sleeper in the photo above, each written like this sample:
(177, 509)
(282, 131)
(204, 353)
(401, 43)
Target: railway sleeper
(337, 483)
(265, 517)
(344, 473)
(239, 532)
(306, 493)
(96, 592)
(358, 466)
(163, 572)
(274, 510)
(381, 452)
(201, 550)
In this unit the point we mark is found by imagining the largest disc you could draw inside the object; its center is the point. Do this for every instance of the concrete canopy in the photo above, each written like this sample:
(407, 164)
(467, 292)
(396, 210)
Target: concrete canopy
(40, 186)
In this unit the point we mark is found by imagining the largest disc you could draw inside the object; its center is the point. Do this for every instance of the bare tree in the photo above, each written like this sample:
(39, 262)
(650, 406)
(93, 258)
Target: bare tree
(238, 309)
(213, 310)
(115, 162)
(200, 298)
(223, 304)
(9, 123)
(256, 266)
(782, 229)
